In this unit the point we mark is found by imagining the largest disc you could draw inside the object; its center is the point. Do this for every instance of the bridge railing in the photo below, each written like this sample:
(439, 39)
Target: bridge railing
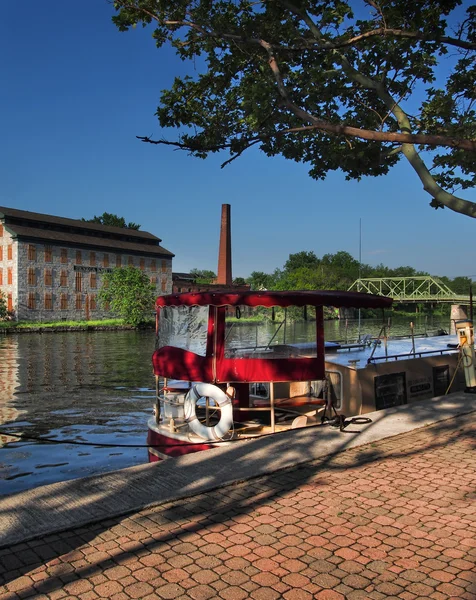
(409, 289)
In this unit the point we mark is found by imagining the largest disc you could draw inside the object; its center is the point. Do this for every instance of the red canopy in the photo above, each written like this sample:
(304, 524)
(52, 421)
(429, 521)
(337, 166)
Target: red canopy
(296, 298)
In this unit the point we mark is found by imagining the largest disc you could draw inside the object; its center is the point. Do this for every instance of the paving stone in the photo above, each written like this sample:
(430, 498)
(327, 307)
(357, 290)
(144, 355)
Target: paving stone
(402, 526)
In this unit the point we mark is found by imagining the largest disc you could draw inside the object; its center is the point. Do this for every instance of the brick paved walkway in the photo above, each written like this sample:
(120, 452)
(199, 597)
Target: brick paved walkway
(394, 519)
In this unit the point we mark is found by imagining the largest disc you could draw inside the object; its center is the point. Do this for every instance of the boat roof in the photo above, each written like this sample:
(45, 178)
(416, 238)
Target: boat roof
(334, 298)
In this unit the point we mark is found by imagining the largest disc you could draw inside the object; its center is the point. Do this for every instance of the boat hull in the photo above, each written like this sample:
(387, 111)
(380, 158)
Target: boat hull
(166, 445)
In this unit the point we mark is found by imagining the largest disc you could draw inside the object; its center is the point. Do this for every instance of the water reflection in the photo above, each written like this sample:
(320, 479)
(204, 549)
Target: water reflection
(94, 387)
(99, 388)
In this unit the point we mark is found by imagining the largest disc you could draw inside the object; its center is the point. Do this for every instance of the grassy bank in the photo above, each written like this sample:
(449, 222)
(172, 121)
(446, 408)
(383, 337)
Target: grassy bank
(34, 326)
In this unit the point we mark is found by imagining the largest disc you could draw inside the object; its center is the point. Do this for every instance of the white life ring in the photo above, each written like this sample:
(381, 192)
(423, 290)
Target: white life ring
(207, 390)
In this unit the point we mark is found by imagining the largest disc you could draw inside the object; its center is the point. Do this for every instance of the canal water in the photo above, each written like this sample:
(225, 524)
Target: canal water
(98, 388)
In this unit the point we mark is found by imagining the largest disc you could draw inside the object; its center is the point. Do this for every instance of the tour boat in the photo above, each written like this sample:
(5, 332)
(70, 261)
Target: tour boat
(216, 383)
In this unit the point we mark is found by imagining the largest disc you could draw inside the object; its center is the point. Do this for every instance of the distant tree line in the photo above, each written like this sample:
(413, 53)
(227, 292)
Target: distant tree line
(306, 271)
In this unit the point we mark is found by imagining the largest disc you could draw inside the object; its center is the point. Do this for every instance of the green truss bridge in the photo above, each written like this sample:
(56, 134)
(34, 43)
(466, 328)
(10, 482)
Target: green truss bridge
(409, 289)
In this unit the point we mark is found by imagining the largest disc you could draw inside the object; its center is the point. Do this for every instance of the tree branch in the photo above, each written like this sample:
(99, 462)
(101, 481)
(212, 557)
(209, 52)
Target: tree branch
(400, 33)
(321, 44)
(343, 130)
(380, 136)
(408, 149)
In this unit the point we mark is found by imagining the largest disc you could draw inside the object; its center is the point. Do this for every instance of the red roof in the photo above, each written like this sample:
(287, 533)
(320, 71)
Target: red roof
(269, 298)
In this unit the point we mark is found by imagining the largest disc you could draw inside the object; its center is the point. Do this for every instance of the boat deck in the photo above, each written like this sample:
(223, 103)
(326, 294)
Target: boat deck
(397, 349)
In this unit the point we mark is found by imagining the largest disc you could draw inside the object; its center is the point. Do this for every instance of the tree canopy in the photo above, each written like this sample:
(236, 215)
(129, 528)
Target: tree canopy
(306, 271)
(112, 220)
(203, 275)
(128, 293)
(335, 84)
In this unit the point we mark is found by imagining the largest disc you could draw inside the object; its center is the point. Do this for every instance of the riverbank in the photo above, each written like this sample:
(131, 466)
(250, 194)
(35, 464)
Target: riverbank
(110, 325)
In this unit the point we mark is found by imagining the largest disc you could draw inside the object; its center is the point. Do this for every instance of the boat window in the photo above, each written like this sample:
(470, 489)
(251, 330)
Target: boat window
(260, 390)
(390, 390)
(259, 332)
(184, 327)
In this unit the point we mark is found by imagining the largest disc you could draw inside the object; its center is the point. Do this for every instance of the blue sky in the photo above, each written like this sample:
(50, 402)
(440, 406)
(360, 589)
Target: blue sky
(76, 92)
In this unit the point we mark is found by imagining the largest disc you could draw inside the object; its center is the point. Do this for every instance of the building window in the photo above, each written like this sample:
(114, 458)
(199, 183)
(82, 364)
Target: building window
(164, 266)
(48, 254)
(93, 280)
(118, 261)
(1, 230)
(1, 252)
(106, 260)
(9, 276)
(92, 302)
(32, 300)
(153, 265)
(48, 277)
(1, 276)
(79, 258)
(64, 301)
(79, 301)
(142, 264)
(92, 258)
(64, 256)
(164, 285)
(63, 279)
(31, 276)
(10, 252)
(31, 252)
(10, 302)
(106, 305)
(48, 301)
(78, 281)
(130, 261)
(153, 280)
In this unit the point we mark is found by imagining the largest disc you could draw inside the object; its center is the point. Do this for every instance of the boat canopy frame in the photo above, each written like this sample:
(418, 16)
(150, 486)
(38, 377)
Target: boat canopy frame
(335, 298)
(178, 363)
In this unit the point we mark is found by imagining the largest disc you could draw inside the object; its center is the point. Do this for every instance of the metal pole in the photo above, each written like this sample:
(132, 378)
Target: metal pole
(157, 400)
(471, 302)
(271, 402)
(413, 337)
(360, 267)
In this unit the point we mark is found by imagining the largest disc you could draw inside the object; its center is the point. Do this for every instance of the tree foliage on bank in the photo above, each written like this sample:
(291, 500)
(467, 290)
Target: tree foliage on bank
(128, 293)
(112, 221)
(3, 306)
(335, 84)
(306, 271)
(203, 275)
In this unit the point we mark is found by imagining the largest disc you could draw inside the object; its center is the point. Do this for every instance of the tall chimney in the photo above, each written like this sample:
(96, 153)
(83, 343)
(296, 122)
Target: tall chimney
(224, 252)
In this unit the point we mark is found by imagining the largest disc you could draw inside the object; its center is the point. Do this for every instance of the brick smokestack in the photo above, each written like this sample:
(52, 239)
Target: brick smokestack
(224, 252)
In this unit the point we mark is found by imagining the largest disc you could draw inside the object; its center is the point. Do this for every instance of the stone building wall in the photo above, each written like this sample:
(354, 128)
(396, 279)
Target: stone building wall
(54, 283)
(8, 267)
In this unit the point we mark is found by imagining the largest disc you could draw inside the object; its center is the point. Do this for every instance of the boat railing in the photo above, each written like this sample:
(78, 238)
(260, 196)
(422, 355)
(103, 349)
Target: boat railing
(283, 322)
(374, 359)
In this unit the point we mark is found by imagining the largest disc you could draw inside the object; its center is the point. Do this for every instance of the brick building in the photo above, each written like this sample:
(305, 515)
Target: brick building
(51, 268)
